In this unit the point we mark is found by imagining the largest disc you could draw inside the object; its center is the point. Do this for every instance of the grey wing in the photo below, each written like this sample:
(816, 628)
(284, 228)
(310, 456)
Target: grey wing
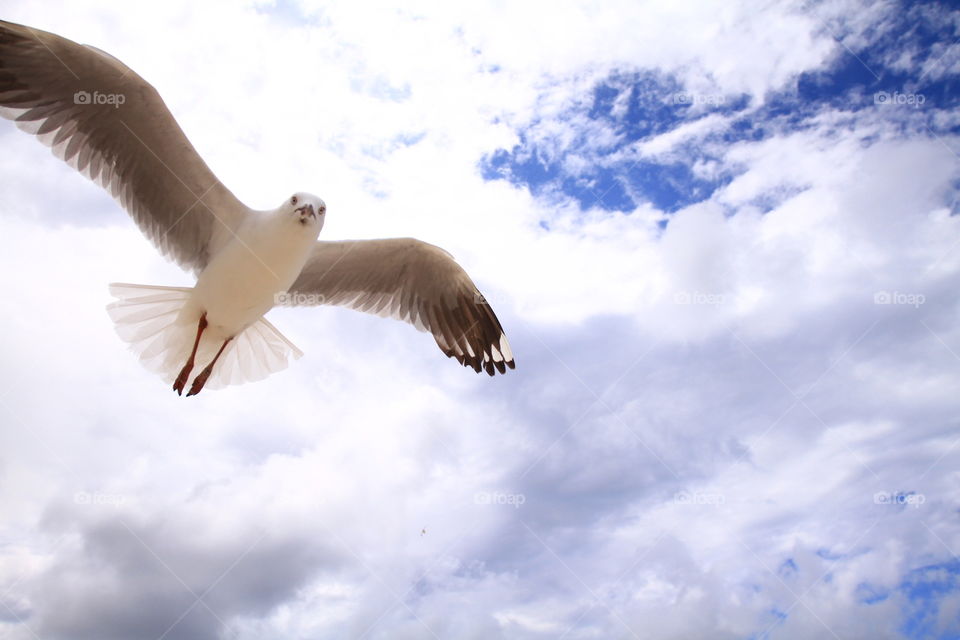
(111, 125)
(411, 281)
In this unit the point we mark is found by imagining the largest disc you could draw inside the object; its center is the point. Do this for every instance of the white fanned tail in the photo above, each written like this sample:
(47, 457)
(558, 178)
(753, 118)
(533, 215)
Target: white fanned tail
(152, 321)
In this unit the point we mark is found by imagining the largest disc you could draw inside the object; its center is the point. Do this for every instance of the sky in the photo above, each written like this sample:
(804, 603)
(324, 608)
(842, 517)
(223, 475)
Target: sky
(722, 237)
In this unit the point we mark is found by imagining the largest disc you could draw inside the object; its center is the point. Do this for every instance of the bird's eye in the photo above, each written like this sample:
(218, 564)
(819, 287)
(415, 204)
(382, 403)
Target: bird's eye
(293, 200)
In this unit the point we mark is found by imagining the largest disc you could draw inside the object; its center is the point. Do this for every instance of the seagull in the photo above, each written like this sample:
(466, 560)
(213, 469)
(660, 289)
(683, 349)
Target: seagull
(112, 126)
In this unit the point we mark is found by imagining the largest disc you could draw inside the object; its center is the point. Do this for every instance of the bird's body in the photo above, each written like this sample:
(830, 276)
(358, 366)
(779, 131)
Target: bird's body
(246, 278)
(111, 125)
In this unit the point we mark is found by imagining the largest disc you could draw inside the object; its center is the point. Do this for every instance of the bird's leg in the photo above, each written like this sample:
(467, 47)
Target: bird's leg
(201, 379)
(181, 380)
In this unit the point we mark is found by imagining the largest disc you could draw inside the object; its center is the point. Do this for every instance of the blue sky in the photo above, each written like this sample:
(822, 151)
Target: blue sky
(633, 105)
(723, 241)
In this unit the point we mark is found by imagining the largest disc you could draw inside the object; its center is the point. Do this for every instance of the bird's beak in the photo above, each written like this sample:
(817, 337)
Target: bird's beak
(306, 210)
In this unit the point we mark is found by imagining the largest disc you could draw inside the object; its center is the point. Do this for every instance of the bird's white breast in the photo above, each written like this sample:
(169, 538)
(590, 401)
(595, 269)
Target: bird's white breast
(241, 282)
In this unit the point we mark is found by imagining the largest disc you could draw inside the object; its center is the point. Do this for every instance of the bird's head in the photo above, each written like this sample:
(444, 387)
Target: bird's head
(306, 209)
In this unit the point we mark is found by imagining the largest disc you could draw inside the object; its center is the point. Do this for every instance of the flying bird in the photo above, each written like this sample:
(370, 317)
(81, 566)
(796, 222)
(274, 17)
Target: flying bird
(109, 124)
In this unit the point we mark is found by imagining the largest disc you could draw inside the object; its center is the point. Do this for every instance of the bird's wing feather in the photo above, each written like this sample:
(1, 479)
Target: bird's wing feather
(111, 125)
(411, 281)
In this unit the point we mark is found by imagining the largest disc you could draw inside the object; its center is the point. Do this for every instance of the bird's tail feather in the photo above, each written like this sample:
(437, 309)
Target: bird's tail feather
(160, 328)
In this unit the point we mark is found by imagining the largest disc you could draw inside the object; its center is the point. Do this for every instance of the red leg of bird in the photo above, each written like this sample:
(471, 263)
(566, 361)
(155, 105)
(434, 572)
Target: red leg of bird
(181, 380)
(201, 379)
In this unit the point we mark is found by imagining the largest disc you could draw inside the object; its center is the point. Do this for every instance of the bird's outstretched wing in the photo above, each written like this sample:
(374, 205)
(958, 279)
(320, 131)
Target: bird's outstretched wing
(411, 281)
(111, 125)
